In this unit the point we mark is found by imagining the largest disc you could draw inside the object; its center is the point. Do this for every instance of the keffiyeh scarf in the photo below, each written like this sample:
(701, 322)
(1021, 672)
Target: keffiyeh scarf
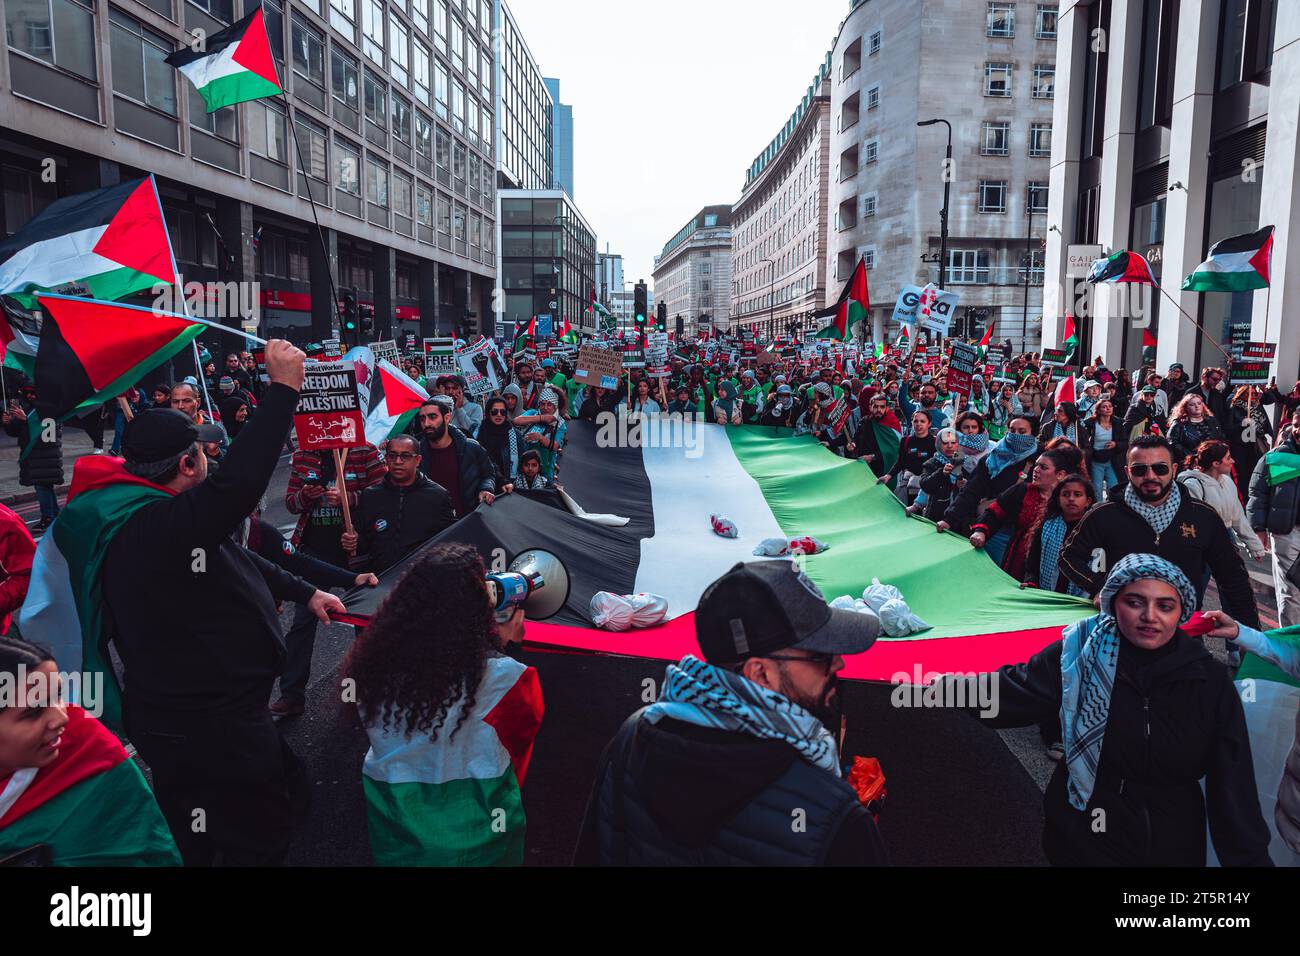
(705, 696)
(1089, 655)
(975, 446)
(1011, 450)
(1161, 516)
(1048, 566)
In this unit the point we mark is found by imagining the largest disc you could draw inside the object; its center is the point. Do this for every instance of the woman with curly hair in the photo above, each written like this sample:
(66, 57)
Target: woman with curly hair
(451, 719)
(1191, 424)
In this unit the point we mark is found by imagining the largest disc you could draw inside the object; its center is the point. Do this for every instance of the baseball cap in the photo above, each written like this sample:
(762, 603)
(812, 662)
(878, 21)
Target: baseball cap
(548, 363)
(765, 606)
(159, 433)
(1149, 390)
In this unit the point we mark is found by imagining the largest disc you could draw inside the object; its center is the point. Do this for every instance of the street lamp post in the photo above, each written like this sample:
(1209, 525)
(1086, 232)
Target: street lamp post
(771, 293)
(1029, 268)
(947, 187)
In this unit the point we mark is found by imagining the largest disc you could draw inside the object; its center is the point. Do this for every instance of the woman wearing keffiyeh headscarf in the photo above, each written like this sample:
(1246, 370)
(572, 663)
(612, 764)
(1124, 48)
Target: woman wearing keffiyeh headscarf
(1147, 715)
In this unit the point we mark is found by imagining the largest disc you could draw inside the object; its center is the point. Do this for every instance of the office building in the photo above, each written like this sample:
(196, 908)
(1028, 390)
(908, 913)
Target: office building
(563, 144)
(693, 272)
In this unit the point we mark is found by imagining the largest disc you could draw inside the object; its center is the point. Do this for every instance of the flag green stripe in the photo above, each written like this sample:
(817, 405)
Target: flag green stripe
(1282, 466)
(237, 88)
(1246, 281)
(455, 823)
(109, 819)
(814, 492)
(1254, 668)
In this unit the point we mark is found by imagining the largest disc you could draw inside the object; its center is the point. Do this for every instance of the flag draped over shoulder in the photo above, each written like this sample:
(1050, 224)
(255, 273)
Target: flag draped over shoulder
(235, 65)
(889, 436)
(64, 608)
(853, 308)
(456, 801)
(1236, 264)
(91, 806)
(395, 399)
(109, 243)
(1282, 467)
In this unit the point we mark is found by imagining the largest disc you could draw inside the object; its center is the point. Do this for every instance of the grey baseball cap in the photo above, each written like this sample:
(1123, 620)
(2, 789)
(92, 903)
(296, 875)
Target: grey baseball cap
(761, 607)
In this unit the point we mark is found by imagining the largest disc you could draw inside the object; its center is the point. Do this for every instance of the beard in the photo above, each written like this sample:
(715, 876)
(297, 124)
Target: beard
(1149, 497)
(827, 709)
(436, 434)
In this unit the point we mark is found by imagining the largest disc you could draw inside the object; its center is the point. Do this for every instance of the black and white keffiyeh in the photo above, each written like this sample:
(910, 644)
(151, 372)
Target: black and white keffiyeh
(1160, 516)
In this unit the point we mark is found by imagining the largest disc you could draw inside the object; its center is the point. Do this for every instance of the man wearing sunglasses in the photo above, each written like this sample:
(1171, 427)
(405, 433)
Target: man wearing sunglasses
(1151, 515)
(742, 743)
(399, 514)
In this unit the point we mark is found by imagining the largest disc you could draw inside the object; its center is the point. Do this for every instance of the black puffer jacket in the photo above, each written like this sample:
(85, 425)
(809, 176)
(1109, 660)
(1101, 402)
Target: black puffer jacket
(44, 466)
(476, 472)
(673, 794)
(1274, 508)
(980, 487)
(938, 487)
(1174, 719)
(391, 522)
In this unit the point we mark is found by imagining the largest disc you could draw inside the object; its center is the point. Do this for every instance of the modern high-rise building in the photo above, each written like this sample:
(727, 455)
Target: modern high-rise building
(524, 110)
(987, 69)
(563, 138)
(1176, 133)
(392, 106)
(548, 260)
(609, 276)
(779, 225)
(693, 273)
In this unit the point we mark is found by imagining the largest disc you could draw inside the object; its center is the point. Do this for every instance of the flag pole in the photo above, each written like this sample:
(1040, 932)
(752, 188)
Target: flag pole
(1193, 321)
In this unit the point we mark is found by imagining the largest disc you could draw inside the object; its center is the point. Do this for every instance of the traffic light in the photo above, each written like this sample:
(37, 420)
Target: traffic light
(663, 316)
(367, 322)
(640, 305)
(351, 313)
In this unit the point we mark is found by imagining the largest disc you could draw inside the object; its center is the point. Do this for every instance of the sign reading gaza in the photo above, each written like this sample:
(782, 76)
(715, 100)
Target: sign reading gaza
(329, 410)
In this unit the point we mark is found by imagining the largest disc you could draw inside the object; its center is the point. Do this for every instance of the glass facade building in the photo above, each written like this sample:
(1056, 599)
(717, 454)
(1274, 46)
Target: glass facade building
(548, 259)
(524, 110)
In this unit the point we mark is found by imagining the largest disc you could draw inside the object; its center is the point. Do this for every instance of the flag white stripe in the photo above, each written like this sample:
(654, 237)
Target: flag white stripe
(49, 613)
(52, 262)
(209, 69)
(685, 556)
(1228, 262)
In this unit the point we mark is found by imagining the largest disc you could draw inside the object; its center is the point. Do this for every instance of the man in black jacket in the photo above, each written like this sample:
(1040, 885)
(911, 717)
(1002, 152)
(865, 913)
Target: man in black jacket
(201, 643)
(1150, 515)
(448, 458)
(399, 514)
(739, 747)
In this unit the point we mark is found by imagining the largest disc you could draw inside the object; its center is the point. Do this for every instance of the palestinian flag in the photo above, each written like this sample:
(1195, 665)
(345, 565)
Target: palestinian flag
(854, 307)
(889, 436)
(234, 66)
(1271, 697)
(109, 244)
(1282, 467)
(1066, 391)
(19, 341)
(395, 400)
(1148, 347)
(904, 341)
(64, 609)
(1122, 266)
(1071, 343)
(457, 802)
(91, 806)
(528, 332)
(91, 351)
(640, 512)
(984, 342)
(1236, 264)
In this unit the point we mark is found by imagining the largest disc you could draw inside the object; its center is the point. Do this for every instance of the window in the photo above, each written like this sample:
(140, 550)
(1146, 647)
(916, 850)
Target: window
(345, 78)
(138, 68)
(1046, 22)
(343, 17)
(993, 195)
(1040, 139)
(60, 32)
(266, 130)
(440, 89)
(457, 46)
(273, 15)
(347, 167)
(376, 100)
(423, 143)
(458, 105)
(873, 43)
(997, 139)
(420, 15)
(424, 205)
(873, 97)
(870, 151)
(221, 123)
(1001, 20)
(397, 51)
(372, 30)
(997, 79)
(440, 25)
(315, 147)
(443, 156)
(1044, 81)
(376, 182)
(308, 53)
(869, 205)
(401, 119)
(1036, 197)
(869, 258)
(968, 266)
(420, 63)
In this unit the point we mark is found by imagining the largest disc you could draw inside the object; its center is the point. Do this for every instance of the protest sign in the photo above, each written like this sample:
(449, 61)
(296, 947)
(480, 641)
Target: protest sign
(545, 327)
(386, 351)
(439, 357)
(482, 368)
(656, 348)
(1259, 351)
(1054, 358)
(598, 367)
(633, 356)
(930, 308)
(965, 360)
(1250, 373)
(329, 409)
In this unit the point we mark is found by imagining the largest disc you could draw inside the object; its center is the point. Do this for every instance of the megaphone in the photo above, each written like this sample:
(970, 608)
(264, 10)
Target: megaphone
(536, 580)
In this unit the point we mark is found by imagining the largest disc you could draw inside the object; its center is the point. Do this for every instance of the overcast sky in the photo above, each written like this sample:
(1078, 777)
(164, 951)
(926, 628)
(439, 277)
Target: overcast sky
(672, 101)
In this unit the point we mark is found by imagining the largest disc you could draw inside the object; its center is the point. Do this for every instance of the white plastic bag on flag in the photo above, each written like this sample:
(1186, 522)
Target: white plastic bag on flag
(877, 594)
(626, 612)
(898, 620)
(723, 527)
(783, 547)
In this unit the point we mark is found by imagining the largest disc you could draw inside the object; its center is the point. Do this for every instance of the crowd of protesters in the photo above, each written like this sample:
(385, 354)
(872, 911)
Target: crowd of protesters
(1075, 496)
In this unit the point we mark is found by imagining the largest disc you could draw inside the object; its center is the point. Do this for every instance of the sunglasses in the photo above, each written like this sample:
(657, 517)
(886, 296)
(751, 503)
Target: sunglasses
(498, 413)
(822, 660)
(1140, 471)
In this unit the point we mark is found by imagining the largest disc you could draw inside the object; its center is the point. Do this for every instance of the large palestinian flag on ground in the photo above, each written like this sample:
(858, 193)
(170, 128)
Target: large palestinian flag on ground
(772, 485)
(235, 64)
(853, 308)
(90, 807)
(395, 398)
(92, 351)
(109, 244)
(1236, 264)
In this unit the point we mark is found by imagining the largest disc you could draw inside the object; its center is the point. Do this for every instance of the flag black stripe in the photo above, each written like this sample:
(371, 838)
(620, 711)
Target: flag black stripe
(70, 214)
(1237, 244)
(62, 382)
(215, 43)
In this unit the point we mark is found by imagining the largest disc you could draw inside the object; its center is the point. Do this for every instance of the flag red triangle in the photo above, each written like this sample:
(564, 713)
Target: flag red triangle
(254, 50)
(110, 340)
(1070, 331)
(137, 237)
(1261, 261)
(398, 396)
(1148, 340)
